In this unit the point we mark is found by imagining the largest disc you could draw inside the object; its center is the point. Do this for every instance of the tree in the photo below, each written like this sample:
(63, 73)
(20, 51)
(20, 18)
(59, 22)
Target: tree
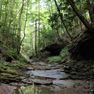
(61, 17)
(87, 24)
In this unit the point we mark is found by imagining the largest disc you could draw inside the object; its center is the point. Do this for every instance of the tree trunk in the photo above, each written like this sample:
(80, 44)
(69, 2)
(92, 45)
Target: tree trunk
(19, 28)
(61, 17)
(36, 37)
(80, 16)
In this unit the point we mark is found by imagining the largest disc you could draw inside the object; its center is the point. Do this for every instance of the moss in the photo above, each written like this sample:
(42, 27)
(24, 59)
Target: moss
(10, 68)
(63, 55)
(10, 72)
(25, 90)
(54, 59)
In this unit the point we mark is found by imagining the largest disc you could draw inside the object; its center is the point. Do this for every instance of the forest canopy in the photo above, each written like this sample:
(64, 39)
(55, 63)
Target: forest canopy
(27, 26)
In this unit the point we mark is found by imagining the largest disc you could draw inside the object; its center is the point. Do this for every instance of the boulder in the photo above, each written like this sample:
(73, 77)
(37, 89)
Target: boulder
(83, 47)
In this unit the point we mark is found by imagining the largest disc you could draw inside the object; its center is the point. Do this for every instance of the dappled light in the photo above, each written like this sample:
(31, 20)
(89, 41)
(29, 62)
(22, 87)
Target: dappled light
(46, 46)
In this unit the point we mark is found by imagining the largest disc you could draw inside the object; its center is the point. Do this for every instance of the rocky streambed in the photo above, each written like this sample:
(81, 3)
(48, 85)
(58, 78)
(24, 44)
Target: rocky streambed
(46, 79)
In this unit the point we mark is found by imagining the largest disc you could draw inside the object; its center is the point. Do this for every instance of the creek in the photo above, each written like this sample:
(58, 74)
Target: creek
(46, 79)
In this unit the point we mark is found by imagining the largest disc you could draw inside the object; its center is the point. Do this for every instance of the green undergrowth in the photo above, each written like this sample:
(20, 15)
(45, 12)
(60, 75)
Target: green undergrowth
(13, 68)
(60, 58)
(9, 59)
(54, 59)
(12, 72)
(25, 90)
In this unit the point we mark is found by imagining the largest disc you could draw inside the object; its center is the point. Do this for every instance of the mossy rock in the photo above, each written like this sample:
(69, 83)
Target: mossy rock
(54, 59)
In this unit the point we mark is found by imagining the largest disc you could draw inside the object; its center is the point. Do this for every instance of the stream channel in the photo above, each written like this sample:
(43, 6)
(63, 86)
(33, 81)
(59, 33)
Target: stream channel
(47, 79)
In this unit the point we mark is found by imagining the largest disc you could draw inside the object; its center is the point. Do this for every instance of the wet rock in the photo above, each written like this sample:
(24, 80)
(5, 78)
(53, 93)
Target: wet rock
(76, 77)
(67, 69)
(42, 82)
(6, 89)
(80, 69)
(29, 68)
(66, 83)
(27, 81)
(64, 87)
(51, 74)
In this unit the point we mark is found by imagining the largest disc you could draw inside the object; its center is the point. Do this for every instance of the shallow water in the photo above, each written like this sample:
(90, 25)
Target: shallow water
(60, 83)
(53, 74)
(68, 87)
(33, 89)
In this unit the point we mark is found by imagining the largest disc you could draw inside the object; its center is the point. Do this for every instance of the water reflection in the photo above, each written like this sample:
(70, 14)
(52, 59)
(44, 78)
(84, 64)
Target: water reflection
(68, 87)
(33, 89)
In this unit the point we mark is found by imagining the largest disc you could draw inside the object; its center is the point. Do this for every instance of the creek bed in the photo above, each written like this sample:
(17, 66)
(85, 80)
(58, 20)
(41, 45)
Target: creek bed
(51, 74)
(67, 87)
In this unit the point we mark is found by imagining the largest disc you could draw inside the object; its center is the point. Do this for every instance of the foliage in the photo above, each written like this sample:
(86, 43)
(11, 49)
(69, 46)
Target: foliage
(8, 68)
(64, 53)
(57, 59)
(54, 59)
(27, 26)
(26, 90)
